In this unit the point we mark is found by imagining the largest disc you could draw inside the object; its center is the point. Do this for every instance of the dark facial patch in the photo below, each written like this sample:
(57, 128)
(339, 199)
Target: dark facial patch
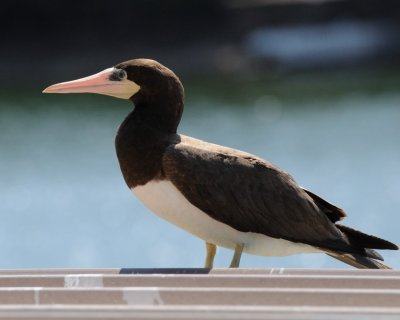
(118, 75)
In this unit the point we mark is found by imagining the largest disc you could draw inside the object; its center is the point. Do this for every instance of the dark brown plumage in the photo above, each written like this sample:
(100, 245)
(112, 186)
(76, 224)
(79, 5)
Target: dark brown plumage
(235, 188)
(252, 195)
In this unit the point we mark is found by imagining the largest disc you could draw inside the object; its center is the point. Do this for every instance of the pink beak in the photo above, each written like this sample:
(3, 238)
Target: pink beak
(99, 83)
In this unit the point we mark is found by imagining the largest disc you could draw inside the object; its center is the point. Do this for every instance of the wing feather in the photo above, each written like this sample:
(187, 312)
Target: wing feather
(249, 194)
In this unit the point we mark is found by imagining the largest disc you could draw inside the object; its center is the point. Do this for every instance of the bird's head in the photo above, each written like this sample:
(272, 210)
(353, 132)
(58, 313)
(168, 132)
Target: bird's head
(138, 80)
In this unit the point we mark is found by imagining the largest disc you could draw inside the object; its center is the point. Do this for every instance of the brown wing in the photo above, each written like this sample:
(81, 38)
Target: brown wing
(249, 194)
(334, 213)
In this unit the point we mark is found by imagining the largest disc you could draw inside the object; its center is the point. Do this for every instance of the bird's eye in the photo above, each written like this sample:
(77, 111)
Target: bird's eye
(121, 74)
(118, 75)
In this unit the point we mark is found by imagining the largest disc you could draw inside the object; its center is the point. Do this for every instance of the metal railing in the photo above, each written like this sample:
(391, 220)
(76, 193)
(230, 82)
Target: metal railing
(199, 294)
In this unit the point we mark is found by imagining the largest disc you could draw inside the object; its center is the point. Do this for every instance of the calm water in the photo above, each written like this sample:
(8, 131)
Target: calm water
(64, 202)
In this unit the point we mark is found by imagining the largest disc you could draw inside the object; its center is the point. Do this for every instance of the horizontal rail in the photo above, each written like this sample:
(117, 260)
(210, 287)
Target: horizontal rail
(16, 312)
(240, 271)
(204, 296)
(201, 281)
(199, 294)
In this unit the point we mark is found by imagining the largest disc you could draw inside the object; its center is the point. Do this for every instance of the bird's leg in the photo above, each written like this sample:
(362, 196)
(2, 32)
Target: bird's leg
(236, 256)
(211, 251)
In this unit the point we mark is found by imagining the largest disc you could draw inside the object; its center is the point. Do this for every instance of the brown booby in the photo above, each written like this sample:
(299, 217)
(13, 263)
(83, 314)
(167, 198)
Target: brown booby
(224, 196)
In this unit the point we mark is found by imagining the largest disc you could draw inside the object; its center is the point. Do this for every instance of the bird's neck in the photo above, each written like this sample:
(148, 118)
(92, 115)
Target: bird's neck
(141, 141)
(156, 117)
(161, 110)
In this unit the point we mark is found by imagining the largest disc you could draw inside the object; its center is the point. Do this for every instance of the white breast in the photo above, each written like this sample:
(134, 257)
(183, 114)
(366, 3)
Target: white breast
(165, 200)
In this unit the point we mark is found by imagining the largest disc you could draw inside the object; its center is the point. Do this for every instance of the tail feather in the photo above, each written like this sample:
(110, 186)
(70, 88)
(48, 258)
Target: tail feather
(358, 261)
(366, 257)
(373, 254)
(356, 247)
(365, 240)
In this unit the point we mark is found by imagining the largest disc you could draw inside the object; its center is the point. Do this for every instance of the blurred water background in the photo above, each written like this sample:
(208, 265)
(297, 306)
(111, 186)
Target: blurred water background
(319, 97)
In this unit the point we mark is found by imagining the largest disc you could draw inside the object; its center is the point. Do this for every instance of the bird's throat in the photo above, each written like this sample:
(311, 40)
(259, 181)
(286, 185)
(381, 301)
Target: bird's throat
(140, 147)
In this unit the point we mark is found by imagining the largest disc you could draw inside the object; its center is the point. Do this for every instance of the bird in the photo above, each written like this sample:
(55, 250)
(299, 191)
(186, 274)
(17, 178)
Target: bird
(226, 197)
